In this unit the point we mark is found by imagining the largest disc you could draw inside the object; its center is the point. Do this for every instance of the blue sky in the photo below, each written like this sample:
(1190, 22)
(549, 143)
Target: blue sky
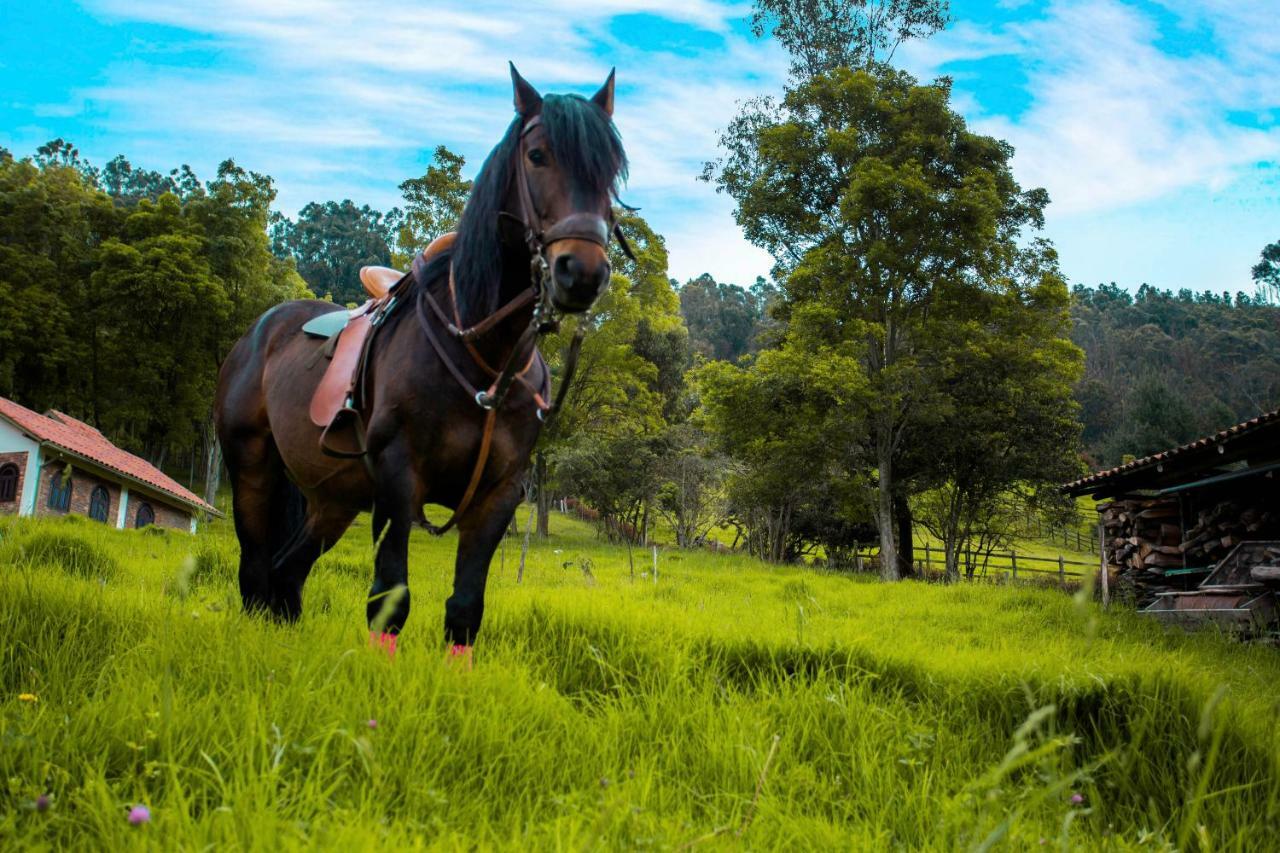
(1154, 124)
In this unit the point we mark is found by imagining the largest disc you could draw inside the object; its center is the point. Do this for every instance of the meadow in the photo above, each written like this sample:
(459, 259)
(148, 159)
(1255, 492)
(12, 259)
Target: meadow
(723, 704)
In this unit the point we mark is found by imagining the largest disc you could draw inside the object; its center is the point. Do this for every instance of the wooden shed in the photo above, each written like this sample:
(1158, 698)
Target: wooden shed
(1168, 519)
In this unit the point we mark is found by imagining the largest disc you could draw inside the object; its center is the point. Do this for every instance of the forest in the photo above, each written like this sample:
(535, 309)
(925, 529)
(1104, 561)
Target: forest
(952, 388)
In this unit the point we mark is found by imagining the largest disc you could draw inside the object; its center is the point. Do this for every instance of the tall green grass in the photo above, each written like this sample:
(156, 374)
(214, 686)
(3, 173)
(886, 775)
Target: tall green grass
(726, 704)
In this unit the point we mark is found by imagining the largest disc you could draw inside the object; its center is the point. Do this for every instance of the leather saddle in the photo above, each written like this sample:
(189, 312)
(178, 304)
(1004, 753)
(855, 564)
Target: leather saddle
(335, 405)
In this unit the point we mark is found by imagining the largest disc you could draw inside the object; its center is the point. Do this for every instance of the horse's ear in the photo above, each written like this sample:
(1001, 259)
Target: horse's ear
(528, 101)
(604, 98)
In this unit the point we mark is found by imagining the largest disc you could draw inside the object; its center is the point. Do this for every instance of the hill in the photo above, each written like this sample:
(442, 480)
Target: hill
(724, 702)
(1162, 368)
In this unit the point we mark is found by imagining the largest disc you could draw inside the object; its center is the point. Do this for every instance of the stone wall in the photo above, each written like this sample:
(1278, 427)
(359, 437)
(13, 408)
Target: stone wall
(19, 459)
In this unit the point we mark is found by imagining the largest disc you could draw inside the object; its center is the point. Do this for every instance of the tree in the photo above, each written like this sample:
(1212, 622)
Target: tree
(690, 492)
(1013, 428)
(127, 185)
(330, 242)
(433, 204)
(629, 373)
(822, 35)
(879, 205)
(723, 319)
(118, 306)
(787, 422)
(1266, 273)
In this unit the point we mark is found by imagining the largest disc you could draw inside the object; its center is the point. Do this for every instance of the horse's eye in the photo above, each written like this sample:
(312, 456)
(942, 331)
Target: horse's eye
(537, 158)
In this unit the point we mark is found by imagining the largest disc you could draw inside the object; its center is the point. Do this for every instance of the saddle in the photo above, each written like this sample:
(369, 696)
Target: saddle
(335, 405)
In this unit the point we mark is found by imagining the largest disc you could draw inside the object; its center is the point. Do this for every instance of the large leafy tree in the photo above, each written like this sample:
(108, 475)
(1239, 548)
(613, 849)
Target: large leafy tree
(330, 242)
(122, 290)
(880, 205)
(432, 204)
(1012, 427)
(822, 35)
(783, 421)
(723, 319)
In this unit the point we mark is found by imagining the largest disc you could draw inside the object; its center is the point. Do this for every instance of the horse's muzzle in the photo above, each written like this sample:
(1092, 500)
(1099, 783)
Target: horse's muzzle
(578, 247)
(576, 282)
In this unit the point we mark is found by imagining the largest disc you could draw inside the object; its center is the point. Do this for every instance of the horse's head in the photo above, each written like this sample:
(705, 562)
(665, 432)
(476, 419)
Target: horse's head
(569, 161)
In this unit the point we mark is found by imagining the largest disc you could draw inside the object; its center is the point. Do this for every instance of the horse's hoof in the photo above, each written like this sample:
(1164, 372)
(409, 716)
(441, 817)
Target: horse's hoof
(460, 655)
(385, 641)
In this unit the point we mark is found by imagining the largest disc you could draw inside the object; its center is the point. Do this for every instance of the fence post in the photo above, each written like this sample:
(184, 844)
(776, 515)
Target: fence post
(926, 556)
(1013, 561)
(1062, 570)
(857, 560)
(1102, 558)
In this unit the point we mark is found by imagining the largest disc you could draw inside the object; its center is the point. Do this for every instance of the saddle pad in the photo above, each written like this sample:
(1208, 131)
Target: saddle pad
(331, 394)
(327, 325)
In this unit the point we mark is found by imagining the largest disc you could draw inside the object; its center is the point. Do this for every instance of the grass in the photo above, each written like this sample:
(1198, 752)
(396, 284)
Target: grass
(725, 705)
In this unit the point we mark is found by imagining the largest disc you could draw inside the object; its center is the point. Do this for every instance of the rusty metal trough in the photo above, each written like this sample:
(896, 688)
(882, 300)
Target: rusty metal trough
(1234, 595)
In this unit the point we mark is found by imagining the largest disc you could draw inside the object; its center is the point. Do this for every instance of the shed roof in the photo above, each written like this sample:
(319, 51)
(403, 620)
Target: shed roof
(1252, 441)
(78, 438)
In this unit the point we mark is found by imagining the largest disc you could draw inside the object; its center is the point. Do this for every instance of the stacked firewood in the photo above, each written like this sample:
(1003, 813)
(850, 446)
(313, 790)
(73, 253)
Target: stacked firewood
(1144, 538)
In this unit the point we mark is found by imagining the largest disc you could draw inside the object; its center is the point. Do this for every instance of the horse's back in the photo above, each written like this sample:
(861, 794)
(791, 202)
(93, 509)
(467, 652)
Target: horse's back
(242, 379)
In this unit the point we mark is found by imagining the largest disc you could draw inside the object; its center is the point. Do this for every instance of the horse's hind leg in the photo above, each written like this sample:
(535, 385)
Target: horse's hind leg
(257, 475)
(290, 565)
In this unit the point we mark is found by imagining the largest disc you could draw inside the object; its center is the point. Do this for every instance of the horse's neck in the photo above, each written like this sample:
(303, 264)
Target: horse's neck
(495, 345)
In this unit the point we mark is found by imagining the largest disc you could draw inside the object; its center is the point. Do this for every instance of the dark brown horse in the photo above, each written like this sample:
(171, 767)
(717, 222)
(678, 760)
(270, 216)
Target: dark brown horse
(533, 237)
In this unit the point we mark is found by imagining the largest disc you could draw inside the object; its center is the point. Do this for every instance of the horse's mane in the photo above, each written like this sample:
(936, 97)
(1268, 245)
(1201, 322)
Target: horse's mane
(587, 147)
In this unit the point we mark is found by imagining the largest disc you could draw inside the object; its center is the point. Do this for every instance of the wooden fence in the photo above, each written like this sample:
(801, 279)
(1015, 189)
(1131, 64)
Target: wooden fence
(998, 564)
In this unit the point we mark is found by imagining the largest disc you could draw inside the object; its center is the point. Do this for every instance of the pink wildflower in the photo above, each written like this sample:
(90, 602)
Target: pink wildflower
(1077, 799)
(139, 814)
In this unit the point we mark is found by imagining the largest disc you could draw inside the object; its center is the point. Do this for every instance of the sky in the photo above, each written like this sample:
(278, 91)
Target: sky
(1153, 124)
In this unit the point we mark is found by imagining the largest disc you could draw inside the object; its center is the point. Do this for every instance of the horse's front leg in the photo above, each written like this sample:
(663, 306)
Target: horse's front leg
(479, 533)
(395, 508)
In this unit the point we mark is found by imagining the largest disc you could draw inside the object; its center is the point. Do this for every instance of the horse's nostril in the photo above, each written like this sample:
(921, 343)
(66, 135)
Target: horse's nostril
(567, 270)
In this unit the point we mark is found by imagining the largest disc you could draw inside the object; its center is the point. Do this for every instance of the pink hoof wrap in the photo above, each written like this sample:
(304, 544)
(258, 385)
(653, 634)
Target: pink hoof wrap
(385, 641)
(460, 655)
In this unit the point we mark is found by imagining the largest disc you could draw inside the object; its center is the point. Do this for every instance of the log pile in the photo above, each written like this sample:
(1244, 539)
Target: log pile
(1144, 539)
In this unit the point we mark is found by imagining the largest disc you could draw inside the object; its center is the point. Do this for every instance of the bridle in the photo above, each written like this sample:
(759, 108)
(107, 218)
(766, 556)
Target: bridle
(539, 238)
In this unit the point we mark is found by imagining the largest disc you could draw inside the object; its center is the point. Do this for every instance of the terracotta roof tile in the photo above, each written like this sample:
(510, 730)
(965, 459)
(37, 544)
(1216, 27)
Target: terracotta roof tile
(77, 437)
(1209, 440)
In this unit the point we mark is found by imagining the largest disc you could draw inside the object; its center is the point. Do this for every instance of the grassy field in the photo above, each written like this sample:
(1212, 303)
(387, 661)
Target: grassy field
(723, 705)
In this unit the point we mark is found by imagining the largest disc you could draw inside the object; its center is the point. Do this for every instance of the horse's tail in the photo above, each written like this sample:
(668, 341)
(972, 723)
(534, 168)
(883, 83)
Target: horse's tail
(288, 516)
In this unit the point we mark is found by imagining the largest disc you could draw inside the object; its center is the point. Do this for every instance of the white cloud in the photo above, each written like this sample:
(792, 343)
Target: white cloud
(318, 80)
(1113, 119)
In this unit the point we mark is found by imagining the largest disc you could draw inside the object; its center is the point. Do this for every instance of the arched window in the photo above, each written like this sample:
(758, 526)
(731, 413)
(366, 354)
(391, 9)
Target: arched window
(60, 490)
(99, 504)
(8, 483)
(146, 516)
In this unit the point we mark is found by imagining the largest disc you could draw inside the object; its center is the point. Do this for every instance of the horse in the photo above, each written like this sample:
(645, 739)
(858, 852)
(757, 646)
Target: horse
(531, 244)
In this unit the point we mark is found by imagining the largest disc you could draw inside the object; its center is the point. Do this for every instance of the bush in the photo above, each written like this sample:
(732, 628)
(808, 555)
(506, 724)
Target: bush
(72, 554)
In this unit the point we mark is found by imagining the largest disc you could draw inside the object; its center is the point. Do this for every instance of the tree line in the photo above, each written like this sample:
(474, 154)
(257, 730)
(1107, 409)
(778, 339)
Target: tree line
(1163, 368)
(122, 289)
